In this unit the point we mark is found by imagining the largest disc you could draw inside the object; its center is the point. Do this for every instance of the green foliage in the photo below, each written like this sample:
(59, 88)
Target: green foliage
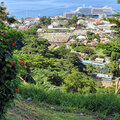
(9, 66)
(100, 46)
(60, 52)
(90, 68)
(31, 31)
(4, 15)
(74, 19)
(118, 1)
(114, 68)
(46, 78)
(85, 49)
(115, 56)
(86, 57)
(73, 45)
(114, 20)
(61, 18)
(92, 57)
(82, 15)
(108, 49)
(92, 36)
(35, 46)
(88, 51)
(116, 15)
(89, 35)
(55, 79)
(67, 61)
(79, 82)
(95, 102)
(116, 116)
(72, 22)
(45, 21)
(112, 48)
(13, 118)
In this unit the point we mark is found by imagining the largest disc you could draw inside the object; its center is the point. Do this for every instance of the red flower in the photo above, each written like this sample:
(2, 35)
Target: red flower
(21, 63)
(13, 41)
(14, 44)
(2, 34)
(12, 63)
(17, 90)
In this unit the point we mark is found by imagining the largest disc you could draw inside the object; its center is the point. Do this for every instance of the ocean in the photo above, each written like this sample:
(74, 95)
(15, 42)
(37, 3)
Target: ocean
(33, 8)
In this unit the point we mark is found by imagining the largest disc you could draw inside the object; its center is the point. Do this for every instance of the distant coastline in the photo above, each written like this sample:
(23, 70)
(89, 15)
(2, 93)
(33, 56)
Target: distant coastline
(23, 8)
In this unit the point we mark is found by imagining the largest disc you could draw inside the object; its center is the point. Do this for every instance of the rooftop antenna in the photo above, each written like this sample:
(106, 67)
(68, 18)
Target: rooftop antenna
(38, 15)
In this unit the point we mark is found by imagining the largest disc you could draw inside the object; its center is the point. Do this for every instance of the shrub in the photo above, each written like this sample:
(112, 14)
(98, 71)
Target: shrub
(92, 57)
(79, 82)
(9, 68)
(88, 51)
(55, 79)
(86, 57)
(115, 56)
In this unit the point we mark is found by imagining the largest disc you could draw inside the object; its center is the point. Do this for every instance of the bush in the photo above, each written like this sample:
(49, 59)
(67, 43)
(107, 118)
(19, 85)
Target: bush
(86, 57)
(88, 51)
(115, 56)
(92, 57)
(79, 82)
(9, 68)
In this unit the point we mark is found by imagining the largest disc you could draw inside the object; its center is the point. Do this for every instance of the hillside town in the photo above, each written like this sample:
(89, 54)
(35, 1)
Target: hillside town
(60, 31)
(60, 67)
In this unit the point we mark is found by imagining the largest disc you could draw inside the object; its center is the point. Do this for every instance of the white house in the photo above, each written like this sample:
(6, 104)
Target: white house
(100, 60)
(50, 26)
(81, 37)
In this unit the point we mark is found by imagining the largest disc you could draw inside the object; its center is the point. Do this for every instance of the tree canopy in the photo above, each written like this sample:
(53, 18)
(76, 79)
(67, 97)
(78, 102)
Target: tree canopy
(79, 82)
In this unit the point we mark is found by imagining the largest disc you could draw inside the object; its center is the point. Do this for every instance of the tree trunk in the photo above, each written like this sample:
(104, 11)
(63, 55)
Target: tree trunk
(117, 86)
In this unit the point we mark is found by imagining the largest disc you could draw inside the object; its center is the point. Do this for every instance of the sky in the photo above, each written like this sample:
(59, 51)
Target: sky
(18, 8)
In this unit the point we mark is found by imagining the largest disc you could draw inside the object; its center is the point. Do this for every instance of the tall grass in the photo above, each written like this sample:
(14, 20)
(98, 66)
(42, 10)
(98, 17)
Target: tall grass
(97, 102)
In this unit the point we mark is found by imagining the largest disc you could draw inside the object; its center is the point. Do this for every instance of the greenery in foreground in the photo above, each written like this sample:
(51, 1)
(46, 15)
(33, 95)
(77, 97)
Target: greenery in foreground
(29, 110)
(101, 102)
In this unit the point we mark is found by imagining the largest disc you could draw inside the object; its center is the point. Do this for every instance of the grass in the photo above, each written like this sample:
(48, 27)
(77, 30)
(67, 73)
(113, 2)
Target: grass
(13, 118)
(96, 102)
(68, 106)
(27, 109)
(98, 52)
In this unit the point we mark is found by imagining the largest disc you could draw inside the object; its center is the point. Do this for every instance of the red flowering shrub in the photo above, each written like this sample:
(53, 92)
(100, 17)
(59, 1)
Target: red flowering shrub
(14, 44)
(21, 63)
(17, 90)
(9, 68)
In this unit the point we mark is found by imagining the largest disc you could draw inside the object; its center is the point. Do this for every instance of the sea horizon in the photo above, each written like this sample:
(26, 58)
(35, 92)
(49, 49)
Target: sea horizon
(30, 8)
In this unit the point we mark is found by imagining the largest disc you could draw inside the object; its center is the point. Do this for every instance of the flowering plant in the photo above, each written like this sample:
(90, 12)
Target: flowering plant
(9, 68)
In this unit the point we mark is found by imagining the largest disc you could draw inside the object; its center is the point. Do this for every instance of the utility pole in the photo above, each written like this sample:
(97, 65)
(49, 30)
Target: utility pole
(26, 13)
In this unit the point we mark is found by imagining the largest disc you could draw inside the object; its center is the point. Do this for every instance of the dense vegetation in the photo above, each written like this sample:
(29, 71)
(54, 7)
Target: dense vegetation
(58, 77)
(55, 76)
